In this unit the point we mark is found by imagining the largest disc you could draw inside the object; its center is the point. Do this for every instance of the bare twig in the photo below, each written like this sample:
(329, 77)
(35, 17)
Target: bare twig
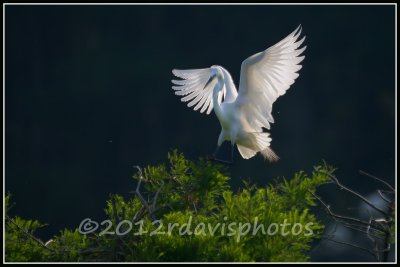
(338, 183)
(374, 228)
(373, 253)
(151, 209)
(337, 216)
(378, 179)
(362, 229)
(29, 235)
(383, 197)
(139, 195)
(45, 245)
(144, 202)
(156, 196)
(138, 215)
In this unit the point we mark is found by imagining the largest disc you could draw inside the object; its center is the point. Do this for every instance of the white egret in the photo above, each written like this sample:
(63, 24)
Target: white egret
(245, 115)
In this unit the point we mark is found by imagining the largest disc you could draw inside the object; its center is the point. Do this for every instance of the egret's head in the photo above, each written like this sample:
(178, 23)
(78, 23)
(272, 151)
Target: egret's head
(215, 73)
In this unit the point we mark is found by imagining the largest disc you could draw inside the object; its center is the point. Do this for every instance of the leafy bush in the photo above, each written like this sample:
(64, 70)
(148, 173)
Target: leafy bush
(186, 211)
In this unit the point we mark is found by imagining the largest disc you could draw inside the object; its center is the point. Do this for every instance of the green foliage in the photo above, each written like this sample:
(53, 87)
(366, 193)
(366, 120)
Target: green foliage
(186, 211)
(20, 246)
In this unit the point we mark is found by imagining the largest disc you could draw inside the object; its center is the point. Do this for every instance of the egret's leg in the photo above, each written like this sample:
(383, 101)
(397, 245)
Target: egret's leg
(232, 150)
(214, 155)
(216, 152)
(215, 159)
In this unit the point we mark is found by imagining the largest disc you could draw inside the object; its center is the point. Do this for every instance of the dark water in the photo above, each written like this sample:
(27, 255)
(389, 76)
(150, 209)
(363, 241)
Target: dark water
(88, 95)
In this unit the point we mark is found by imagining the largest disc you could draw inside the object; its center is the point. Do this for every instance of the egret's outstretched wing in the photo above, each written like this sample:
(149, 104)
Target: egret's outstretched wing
(197, 87)
(267, 75)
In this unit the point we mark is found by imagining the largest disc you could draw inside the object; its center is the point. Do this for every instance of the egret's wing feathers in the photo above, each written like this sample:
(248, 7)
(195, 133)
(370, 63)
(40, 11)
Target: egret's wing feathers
(197, 88)
(267, 75)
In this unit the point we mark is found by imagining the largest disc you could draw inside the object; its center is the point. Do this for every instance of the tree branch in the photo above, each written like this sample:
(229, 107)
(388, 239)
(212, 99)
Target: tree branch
(353, 245)
(337, 182)
(337, 216)
(378, 179)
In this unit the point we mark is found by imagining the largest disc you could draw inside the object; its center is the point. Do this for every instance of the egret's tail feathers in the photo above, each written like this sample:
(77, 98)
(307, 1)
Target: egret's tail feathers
(246, 152)
(263, 142)
(257, 142)
(269, 154)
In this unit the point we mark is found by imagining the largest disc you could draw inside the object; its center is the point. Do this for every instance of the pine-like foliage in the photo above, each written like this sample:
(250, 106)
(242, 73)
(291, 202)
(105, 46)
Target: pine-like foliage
(186, 211)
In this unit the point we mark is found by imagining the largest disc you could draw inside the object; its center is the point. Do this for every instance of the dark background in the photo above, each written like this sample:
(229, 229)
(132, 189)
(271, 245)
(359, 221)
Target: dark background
(88, 95)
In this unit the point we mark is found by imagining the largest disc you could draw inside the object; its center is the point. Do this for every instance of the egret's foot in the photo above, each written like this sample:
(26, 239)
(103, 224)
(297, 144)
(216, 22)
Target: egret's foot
(213, 158)
(210, 158)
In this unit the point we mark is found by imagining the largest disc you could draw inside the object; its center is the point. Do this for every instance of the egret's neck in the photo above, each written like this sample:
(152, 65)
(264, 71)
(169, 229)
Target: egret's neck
(217, 94)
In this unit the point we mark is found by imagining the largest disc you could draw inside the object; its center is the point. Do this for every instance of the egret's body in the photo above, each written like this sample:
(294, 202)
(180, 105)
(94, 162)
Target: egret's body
(244, 116)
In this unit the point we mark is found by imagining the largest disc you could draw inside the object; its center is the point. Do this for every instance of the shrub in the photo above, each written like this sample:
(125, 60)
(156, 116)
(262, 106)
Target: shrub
(190, 214)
